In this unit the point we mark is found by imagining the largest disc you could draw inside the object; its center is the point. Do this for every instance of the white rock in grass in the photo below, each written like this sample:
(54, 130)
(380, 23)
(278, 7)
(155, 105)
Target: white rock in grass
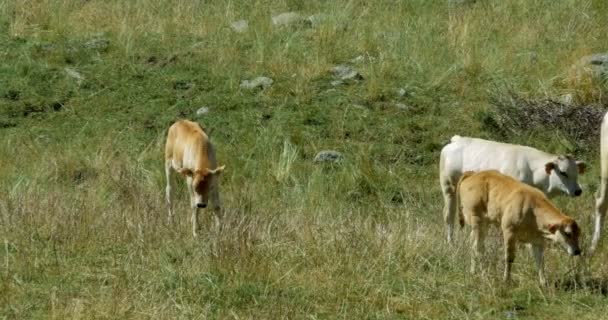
(201, 111)
(345, 73)
(240, 26)
(598, 63)
(259, 82)
(74, 74)
(286, 19)
(329, 156)
(316, 19)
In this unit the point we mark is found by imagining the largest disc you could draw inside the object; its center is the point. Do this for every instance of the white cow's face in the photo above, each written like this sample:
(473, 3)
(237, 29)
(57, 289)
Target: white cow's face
(563, 175)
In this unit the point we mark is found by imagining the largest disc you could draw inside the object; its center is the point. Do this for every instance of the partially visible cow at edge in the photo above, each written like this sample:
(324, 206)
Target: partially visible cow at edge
(601, 203)
(552, 174)
(189, 152)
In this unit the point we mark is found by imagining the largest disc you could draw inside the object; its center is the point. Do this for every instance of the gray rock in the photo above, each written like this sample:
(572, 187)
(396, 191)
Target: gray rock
(459, 2)
(99, 44)
(286, 19)
(358, 59)
(337, 83)
(259, 82)
(201, 111)
(402, 106)
(402, 93)
(567, 99)
(74, 75)
(329, 156)
(598, 63)
(316, 19)
(345, 73)
(240, 26)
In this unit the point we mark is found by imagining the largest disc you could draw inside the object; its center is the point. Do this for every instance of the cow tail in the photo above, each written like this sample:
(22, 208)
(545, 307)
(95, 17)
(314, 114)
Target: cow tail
(458, 207)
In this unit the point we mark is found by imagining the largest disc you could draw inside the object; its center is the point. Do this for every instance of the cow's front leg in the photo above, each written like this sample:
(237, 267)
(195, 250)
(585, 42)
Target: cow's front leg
(193, 207)
(538, 252)
(168, 189)
(601, 205)
(509, 243)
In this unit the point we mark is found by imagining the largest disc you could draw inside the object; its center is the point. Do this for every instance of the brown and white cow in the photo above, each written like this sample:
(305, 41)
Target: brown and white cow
(189, 152)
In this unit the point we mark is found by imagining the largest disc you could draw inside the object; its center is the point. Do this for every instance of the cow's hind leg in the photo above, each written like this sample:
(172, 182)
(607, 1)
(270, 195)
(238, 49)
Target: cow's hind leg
(449, 209)
(477, 239)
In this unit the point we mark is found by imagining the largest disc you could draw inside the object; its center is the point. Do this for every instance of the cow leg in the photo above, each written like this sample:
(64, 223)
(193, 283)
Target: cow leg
(509, 243)
(168, 189)
(601, 204)
(217, 204)
(193, 207)
(477, 238)
(449, 209)
(538, 251)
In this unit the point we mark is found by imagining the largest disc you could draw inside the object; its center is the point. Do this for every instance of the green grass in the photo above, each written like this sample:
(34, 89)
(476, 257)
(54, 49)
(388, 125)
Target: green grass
(83, 231)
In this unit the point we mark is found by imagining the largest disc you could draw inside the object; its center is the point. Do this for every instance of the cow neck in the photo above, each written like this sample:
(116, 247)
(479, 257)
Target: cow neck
(547, 213)
(202, 159)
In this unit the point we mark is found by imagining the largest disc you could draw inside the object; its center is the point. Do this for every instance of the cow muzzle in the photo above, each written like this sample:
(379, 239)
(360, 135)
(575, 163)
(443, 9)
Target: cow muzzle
(201, 205)
(578, 192)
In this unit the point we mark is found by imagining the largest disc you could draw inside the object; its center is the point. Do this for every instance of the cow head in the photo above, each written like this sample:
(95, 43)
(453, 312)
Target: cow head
(202, 181)
(563, 174)
(566, 234)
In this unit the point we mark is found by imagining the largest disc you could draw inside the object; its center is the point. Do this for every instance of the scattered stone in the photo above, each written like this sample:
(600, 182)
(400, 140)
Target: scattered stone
(316, 19)
(345, 73)
(459, 2)
(240, 26)
(328, 156)
(358, 59)
(402, 93)
(182, 85)
(598, 63)
(287, 19)
(75, 75)
(199, 45)
(402, 106)
(99, 44)
(259, 82)
(201, 111)
(567, 99)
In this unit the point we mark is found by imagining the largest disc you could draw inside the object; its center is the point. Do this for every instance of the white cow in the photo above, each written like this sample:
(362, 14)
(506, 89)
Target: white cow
(189, 152)
(550, 173)
(601, 203)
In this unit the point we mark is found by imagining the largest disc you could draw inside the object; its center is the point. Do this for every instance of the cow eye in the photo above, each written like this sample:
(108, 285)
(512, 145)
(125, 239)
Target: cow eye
(563, 173)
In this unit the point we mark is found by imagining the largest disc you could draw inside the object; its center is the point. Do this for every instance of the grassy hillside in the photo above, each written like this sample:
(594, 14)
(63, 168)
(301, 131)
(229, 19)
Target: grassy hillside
(88, 88)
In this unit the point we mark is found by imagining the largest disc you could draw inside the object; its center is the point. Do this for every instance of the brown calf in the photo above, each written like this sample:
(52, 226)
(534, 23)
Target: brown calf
(189, 152)
(522, 212)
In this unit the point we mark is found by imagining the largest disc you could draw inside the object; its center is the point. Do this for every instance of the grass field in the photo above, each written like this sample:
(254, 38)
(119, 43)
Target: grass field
(88, 89)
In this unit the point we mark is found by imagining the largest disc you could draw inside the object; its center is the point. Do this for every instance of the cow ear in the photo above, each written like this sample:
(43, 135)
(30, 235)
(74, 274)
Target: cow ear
(549, 166)
(185, 172)
(581, 165)
(552, 228)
